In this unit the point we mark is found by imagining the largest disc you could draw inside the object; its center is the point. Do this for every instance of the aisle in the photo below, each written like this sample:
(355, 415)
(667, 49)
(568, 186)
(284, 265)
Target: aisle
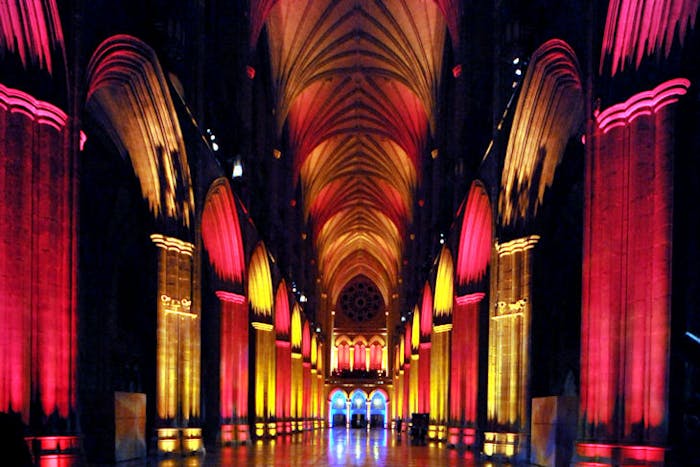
(331, 447)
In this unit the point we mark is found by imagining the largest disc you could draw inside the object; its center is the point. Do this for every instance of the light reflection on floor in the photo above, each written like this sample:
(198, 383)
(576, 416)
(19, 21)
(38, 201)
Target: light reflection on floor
(332, 447)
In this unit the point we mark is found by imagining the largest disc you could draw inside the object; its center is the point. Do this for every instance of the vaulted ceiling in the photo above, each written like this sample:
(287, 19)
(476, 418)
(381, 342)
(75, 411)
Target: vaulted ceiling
(356, 85)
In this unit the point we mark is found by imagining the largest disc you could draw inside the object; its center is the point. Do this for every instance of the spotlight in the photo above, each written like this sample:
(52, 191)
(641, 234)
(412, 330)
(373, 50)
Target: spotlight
(237, 168)
(518, 72)
(516, 60)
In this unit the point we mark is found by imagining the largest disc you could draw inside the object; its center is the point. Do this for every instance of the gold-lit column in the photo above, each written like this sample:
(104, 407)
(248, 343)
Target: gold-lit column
(439, 380)
(297, 371)
(178, 349)
(265, 383)
(320, 395)
(314, 386)
(508, 417)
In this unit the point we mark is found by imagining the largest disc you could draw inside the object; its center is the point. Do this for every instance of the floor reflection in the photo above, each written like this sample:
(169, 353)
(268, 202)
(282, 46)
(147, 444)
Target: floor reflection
(331, 447)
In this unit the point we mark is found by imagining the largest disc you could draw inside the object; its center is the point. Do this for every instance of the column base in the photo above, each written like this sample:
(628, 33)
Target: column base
(589, 454)
(54, 450)
(182, 441)
(506, 445)
(461, 436)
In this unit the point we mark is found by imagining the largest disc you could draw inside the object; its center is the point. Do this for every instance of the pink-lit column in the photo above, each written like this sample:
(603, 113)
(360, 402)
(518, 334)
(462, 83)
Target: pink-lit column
(234, 367)
(464, 377)
(38, 257)
(627, 280)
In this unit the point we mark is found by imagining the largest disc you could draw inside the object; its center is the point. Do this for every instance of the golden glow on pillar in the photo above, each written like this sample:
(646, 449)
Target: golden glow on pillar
(260, 282)
(296, 328)
(168, 439)
(509, 345)
(178, 346)
(314, 350)
(265, 365)
(444, 284)
(439, 378)
(415, 330)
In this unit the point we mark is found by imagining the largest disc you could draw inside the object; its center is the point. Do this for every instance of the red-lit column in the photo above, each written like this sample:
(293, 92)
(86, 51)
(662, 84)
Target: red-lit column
(38, 260)
(627, 280)
(284, 385)
(234, 367)
(464, 378)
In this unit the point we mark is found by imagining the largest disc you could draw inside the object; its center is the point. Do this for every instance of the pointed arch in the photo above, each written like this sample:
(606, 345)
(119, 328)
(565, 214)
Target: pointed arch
(128, 96)
(444, 284)
(221, 232)
(548, 113)
(260, 282)
(474, 251)
(426, 311)
(282, 315)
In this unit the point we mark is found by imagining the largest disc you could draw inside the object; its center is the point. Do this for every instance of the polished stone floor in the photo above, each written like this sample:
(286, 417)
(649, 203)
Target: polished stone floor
(330, 447)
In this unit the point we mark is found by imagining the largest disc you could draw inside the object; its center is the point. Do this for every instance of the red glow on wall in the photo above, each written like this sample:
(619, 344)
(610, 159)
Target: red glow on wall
(283, 380)
(250, 72)
(221, 233)
(375, 356)
(464, 360)
(360, 360)
(407, 342)
(452, 11)
(283, 318)
(37, 260)
(259, 10)
(638, 28)
(306, 341)
(344, 356)
(426, 313)
(234, 357)
(626, 303)
(475, 238)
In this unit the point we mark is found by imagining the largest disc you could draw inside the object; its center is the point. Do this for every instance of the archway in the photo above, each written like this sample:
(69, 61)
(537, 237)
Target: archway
(337, 409)
(358, 409)
(377, 409)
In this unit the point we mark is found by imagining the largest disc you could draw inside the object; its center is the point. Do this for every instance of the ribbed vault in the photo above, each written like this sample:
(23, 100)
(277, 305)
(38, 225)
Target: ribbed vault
(355, 86)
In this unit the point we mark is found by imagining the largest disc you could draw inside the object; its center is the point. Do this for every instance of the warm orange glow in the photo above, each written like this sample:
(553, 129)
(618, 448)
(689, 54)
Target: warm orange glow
(265, 384)
(260, 282)
(178, 346)
(509, 345)
(439, 378)
(444, 285)
(129, 96)
(549, 112)
(415, 330)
